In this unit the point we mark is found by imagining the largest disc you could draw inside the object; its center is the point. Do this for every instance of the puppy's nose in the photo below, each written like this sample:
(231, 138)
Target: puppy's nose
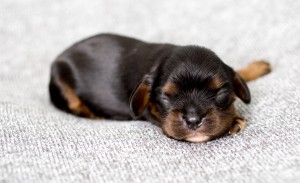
(193, 121)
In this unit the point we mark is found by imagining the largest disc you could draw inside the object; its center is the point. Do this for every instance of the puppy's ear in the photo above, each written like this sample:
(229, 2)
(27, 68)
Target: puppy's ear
(241, 89)
(139, 99)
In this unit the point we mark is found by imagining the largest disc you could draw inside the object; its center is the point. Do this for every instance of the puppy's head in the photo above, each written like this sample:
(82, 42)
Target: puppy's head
(191, 94)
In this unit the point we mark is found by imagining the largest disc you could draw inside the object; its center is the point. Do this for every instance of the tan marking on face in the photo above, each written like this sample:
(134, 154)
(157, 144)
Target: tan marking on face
(255, 70)
(74, 103)
(222, 121)
(173, 126)
(169, 88)
(215, 83)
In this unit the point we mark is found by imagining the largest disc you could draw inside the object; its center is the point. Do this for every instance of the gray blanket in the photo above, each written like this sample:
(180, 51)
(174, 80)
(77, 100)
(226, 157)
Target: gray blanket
(38, 143)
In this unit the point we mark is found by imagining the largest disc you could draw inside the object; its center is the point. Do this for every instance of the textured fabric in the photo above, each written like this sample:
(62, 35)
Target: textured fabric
(38, 143)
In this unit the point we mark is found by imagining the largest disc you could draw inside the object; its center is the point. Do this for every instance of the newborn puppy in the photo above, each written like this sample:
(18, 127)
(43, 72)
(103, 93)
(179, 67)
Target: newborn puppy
(187, 90)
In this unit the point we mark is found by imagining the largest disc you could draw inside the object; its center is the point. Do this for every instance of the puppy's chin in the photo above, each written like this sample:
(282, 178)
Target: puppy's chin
(185, 134)
(197, 138)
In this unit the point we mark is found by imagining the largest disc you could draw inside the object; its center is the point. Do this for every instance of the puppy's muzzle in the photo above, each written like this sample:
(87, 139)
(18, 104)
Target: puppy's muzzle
(192, 119)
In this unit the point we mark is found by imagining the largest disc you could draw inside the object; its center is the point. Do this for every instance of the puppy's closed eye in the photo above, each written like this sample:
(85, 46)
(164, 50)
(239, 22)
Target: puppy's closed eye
(223, 97)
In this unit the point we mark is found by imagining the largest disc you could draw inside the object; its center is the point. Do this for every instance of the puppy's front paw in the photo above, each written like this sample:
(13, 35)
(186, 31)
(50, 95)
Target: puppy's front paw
(239, 125)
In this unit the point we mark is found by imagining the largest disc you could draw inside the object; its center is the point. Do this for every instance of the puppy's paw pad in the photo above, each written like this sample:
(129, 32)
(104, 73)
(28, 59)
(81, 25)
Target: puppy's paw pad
(261, 66)
(239, 125)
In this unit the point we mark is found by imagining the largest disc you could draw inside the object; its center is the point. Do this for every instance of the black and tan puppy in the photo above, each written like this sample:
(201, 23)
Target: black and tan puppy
(188, 90)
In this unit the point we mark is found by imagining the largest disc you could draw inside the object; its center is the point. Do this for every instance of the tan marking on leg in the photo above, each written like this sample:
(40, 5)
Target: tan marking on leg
(255, 70)
(238, 126)
(74, 103)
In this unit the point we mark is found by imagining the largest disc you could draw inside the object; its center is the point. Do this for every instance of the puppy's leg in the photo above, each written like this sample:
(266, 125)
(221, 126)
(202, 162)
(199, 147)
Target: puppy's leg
(239, 125)
(74, 103)
(69, 101)
(254, 70)
(63, 95)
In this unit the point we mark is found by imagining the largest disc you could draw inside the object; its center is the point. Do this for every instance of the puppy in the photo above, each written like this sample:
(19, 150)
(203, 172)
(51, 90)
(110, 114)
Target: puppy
(187, 90)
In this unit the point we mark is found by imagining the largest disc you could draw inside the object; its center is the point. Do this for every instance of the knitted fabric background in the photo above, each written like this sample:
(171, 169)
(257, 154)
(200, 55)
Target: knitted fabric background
(39, 143)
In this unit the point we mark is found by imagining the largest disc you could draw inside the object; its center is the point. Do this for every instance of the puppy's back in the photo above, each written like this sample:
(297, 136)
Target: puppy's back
(101, 71)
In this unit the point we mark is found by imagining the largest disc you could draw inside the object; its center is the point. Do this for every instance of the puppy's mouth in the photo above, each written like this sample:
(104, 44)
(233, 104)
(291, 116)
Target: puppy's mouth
(196, 134)
(178, 129)
(182, 132)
